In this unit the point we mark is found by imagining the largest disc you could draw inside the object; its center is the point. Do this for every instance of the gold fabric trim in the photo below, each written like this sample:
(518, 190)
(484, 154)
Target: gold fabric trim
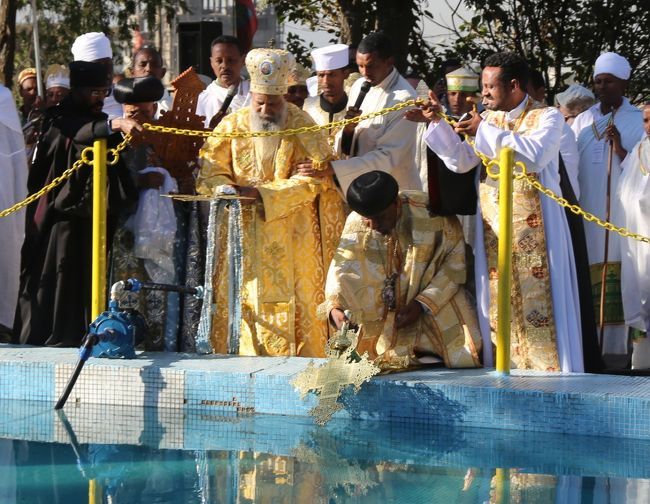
(613, 299)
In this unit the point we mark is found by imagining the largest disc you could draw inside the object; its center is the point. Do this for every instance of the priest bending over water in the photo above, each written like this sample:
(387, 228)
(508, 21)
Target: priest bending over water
(400, 270)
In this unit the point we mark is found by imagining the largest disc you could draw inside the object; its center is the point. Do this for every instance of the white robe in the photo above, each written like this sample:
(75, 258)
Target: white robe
(632, 210)
(212, 97)
(385, 143)
(539, 149)
(571, 158)
(13, 188)
(592, 176)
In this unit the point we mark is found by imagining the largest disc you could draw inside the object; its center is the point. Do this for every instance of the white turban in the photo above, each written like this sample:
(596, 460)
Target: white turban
(91, 47)
(331, 57)
(614, 64)
(57, 76)
(572, 93)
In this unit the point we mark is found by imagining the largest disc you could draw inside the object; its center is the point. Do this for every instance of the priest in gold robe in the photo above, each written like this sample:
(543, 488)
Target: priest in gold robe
(400, 271)
(290, 224)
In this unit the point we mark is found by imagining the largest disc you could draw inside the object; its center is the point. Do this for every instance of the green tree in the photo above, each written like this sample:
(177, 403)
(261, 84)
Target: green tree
(61, 21)
(7, 39)
(349, 20)
(560, 38)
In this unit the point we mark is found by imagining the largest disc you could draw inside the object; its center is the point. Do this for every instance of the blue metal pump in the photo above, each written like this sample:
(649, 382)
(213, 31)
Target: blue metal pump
(115, 333)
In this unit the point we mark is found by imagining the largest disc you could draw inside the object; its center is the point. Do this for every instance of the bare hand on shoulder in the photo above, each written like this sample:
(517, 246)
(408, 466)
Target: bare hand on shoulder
(306, 168)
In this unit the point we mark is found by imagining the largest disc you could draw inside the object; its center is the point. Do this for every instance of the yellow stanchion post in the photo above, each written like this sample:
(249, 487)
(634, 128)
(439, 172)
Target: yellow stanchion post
(94, 492)
(506, 165)
(99, 229)
(502, 486)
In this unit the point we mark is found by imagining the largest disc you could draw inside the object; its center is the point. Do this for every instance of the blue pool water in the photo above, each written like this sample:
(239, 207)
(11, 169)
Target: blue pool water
(148, 455)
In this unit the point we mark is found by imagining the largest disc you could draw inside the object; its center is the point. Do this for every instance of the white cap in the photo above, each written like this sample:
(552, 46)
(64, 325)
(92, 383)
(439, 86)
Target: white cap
(572, 93)
(91, 47)
(57, 76)
(462, 79)
(312, 85)
(614, 64)
(331, 57)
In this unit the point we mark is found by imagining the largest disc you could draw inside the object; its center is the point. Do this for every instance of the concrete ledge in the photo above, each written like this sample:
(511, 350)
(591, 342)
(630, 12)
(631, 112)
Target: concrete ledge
(222, 386)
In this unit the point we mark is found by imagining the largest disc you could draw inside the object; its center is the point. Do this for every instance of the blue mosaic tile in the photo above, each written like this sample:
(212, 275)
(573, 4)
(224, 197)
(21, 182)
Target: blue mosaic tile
(226, 386)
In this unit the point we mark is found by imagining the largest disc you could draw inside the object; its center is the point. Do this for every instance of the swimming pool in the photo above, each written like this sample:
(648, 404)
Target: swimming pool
(110, 454)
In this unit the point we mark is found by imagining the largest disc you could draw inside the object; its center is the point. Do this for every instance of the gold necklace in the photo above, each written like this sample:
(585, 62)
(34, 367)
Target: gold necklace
(390, 287)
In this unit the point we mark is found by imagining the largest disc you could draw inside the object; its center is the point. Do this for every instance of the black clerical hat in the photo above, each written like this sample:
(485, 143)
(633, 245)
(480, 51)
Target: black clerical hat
(138, 90)
(88, 74)
(372, 193)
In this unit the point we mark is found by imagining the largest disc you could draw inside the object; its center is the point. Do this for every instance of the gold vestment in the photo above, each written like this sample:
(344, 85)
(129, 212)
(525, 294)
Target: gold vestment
(534, 340)
(428, 257)
(288, 239)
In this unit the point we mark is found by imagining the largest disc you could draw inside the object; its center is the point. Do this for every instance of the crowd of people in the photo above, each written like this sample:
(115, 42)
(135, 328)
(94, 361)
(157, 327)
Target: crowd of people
(389, 223)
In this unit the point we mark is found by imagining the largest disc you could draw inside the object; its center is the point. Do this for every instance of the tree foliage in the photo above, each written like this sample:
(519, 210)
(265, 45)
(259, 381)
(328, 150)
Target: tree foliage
(61, 21)
(349, 20)
(562, 39)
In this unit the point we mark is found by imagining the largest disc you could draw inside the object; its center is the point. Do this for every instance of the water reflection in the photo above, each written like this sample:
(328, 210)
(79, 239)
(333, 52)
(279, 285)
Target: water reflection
(277, 460)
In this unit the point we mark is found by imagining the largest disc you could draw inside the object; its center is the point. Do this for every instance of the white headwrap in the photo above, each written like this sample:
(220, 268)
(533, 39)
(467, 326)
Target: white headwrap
(91, 47)
(57, 76)
(572, 93)
(614, 64)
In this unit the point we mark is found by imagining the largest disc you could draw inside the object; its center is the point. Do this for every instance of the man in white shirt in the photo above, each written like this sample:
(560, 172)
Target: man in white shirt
(386, 143)
(227, 60)
(607, 130)
(546, 325)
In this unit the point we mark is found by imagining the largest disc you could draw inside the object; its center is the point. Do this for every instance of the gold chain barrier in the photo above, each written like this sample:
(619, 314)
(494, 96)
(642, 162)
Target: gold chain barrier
(489, 163)
(288, 132)
(523, 175)
(85, 159)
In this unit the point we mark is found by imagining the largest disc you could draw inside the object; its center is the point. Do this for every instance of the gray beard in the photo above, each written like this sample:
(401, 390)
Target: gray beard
(259, 123)
(266, 147)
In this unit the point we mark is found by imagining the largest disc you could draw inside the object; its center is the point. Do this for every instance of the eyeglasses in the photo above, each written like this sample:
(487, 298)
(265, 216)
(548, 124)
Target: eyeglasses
(99, 93)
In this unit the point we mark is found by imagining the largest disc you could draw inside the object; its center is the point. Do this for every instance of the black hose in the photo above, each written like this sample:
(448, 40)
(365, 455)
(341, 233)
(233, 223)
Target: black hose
(84, 354)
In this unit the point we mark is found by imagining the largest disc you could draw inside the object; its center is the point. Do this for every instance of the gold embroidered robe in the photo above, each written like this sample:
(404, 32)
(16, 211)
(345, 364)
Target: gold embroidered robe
(288, 239)
(429, 258)
(546, 325)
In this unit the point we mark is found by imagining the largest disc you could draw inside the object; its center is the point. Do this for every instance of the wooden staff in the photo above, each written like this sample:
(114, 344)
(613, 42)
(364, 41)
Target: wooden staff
(603, 275)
